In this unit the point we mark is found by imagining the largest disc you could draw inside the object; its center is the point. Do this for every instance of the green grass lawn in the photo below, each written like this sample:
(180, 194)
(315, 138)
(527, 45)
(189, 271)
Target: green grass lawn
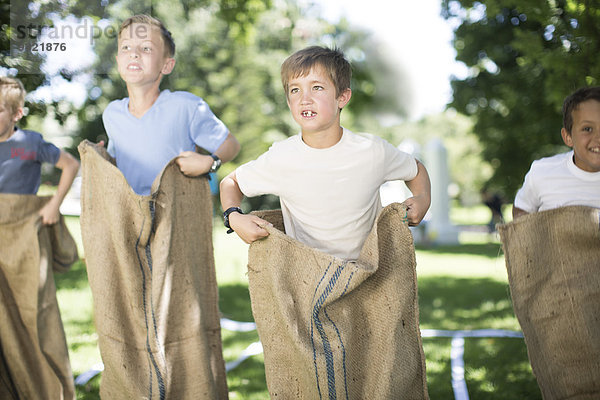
(460, 287)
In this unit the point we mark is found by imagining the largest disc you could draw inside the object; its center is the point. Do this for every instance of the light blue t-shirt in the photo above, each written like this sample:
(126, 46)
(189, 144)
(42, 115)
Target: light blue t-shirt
(176, 122)
(21, 158)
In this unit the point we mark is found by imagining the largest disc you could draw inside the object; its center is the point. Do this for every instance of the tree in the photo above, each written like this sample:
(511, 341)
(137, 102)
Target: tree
(10, 60)
(229, 52)
(524, 58)
(234, 63)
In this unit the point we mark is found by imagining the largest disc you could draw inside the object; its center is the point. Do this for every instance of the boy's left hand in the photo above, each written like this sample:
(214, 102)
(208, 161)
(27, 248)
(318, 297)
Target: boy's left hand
(416, 208)
(50, 213)
(193, 164)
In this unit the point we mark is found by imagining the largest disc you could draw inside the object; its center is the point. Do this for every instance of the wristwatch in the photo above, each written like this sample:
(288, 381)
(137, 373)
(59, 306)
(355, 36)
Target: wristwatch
(216, 163)
(226, 217)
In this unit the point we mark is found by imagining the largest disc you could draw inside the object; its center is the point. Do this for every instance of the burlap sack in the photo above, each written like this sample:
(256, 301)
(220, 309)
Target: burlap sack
(151, 270)
(553, 263)
(34, 360)
(337, 329)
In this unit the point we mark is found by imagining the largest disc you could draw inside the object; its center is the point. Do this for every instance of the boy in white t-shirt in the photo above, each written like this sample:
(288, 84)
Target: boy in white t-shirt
(571, 178)
(327, 178)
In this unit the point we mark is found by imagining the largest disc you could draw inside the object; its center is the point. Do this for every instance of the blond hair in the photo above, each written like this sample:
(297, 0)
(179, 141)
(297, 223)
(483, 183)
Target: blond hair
(12, 93)
(331, 60)
(148, 20)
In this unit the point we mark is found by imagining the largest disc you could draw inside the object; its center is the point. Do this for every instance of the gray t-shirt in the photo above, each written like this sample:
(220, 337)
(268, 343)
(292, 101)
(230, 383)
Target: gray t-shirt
(21, 158)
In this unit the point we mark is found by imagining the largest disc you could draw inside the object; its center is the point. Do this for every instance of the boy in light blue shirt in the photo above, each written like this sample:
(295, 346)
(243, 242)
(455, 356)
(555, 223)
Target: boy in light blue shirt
(149, 128)
(140, 275)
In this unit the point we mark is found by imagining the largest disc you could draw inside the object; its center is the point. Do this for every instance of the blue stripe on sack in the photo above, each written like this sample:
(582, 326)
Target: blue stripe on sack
(321, 281)
(312, 341)
(151, 360)
(326, 346)
(159, 377)
(340, 336)
(347, 284)
(343, 352)
(141, 266)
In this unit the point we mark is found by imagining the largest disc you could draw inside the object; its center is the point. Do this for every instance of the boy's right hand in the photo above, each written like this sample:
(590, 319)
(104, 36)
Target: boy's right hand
(193, 164)
(248, 227)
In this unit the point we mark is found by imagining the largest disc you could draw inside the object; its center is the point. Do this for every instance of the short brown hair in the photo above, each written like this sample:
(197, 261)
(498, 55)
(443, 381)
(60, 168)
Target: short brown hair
(12, 93)
(148, 20)
(332, 60)
(572, 102)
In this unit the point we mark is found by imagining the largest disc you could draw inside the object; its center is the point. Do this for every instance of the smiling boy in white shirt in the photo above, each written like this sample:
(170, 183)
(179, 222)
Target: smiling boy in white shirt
(571, 178)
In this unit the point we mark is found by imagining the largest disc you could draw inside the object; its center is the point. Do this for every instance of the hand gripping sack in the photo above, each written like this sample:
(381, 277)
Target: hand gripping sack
(332, 328)
(151, 270)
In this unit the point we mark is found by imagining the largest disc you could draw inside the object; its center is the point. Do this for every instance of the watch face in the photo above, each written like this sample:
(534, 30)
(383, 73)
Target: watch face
(216, 163)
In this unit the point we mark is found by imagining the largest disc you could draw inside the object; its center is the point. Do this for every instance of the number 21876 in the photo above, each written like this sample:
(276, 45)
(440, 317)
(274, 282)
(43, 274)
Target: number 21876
(49, 46)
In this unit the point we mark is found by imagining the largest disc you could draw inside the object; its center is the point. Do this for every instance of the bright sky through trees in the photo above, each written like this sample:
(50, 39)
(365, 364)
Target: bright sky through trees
(419, 40)
(415, 37)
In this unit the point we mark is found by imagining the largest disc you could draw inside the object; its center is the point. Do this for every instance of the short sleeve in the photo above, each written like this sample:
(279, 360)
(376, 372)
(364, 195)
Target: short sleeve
(107, 116)
(527, 198)
(206, 130)
(398, 164)
(110, 148)
(48, 153)
(259, 176)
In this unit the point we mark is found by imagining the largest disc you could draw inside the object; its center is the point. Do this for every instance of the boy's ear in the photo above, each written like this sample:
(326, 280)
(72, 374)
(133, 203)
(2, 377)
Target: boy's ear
(567, 138)
(344, 98)
(168, 66)
(18, 115)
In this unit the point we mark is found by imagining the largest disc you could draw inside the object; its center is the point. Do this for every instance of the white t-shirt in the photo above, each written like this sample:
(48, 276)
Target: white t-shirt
(329, 197)
(556, 181)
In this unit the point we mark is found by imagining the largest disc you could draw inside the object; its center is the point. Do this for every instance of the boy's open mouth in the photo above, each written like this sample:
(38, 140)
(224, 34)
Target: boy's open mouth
(308, 113)
(134, 67)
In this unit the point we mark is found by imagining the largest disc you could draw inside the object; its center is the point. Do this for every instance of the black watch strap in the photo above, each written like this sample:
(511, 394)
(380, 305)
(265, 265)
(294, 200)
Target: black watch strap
(226, 217)
(216, 163)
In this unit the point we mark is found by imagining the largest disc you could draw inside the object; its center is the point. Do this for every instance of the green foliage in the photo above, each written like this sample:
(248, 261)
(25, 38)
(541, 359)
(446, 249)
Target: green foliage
(524, 58)
(12, 61)
(242, 15)
(228, 51)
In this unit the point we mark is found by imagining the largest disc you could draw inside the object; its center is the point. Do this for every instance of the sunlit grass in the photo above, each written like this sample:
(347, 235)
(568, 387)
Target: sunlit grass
(437, 354)
(76, 308)
(476, 215)
(509, 376)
